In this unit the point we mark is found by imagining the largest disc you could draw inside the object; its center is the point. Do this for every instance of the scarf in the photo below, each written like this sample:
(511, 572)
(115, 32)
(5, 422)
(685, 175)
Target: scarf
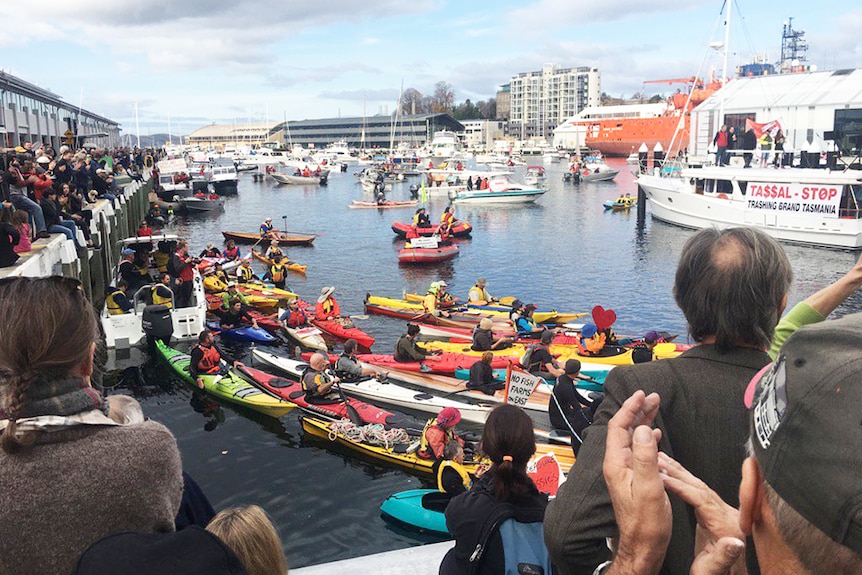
(62, 396)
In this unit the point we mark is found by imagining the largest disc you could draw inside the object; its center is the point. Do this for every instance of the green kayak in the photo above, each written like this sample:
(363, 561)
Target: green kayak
(230, 387)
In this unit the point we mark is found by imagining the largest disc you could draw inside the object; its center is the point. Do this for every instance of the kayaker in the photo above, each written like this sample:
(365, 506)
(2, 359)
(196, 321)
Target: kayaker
(431, 301)
(162, 293)
(381, 198)
(277, 273)
(219, 272)
(266, 229)
(231, 294)
(438, 432)
(421, 219)
(542, 363)
(515, 313)
(451, 475)
(348, 367)
(482, 376)
(643, 351)
(206, 358)
(327, 307)
(273, 250)
(504, 491)
(212, 283)
(525, 325)
(317, 383)
(479, 295)
(483, 337)
(591, 341)
(231, 252)
(567, 414)
(237, 316)
(116, 301)
(211, 251)
(294, 317)
(406, 349)
(244, 273)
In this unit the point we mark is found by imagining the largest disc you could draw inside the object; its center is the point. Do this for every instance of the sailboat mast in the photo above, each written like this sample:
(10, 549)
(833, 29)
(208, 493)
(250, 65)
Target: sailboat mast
(728, 3)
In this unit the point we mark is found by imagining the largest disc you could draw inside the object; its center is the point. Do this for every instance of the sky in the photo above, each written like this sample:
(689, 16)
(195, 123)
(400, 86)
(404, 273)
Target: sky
(190, 63)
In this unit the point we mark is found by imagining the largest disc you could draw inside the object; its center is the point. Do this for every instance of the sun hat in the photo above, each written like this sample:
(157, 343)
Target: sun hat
(481, 282)
(442, 283)
(449, 417)
(325, 292)
(589, 330)
(806, 409)
(486, 323)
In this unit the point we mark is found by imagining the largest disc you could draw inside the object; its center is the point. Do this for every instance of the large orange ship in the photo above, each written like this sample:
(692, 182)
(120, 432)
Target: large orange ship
(620, 130)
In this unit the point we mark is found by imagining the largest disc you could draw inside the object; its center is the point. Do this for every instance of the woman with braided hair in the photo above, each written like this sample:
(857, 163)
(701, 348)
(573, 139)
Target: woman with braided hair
(499, 521)
(69, 474)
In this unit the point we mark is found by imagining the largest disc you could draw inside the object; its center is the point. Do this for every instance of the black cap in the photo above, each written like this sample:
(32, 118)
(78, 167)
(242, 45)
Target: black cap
(806, 430)
(547, 336)
(412, 329)
(573, 366)
(517, 304)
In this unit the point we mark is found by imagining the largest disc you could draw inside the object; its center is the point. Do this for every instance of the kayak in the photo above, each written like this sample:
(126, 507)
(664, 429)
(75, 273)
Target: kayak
(229, 387)
(262, 289)
(422, 509)
(227, 265)
(360, 204)
(610, 355)
(459, 230)
(427, 255)
(291, 266)
(268, 322)
(337, 330)
(444, 364)
(283, 238)
(248, 333)
(597, 375)
(309, 337)
(620, 206)
(414, 310)
(261, 303)
(292, 391)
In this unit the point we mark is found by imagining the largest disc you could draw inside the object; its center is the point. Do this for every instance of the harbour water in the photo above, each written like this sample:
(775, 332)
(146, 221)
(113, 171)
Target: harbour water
(564, 252)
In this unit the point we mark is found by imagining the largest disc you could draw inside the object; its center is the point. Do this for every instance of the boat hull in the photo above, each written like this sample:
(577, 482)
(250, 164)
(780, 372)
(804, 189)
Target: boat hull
(485, 197)
(286, 239)
(427, 255)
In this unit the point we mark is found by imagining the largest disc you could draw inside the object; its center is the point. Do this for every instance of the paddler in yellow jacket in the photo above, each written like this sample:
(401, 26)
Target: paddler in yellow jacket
(479, 295)
(273, 250)
(212, 282)
(436, 299)
(451, 475)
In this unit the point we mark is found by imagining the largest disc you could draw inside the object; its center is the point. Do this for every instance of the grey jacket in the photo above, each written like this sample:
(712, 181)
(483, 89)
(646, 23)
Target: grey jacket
(704, 426)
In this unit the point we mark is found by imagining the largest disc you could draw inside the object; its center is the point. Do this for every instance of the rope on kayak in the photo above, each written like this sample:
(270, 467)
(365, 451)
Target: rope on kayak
(372, 434)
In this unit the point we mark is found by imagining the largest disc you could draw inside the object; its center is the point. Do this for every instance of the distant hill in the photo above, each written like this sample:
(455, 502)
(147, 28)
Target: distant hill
(148, 141)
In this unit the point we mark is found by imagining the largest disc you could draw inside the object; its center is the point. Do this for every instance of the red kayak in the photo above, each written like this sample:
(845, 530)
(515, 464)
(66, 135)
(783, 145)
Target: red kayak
(268, 322)
(427, 255)
(334, 329)
(459, 230)
(292, 392)
(444, 364)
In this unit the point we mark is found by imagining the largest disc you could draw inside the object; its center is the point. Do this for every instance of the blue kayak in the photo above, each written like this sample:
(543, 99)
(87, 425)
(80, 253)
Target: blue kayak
(419, 508)
(598, 377)
(249, 334)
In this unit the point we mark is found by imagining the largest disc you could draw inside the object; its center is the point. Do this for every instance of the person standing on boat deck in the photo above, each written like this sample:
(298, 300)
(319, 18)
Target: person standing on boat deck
(732, 142)
(130, 272)
(184, 271)
(765, 142)
(720, 141)
(749, 142)
(779, 149)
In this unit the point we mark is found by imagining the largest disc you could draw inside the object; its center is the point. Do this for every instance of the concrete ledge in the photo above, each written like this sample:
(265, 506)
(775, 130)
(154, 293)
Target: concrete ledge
(45, 259)
(420, 560)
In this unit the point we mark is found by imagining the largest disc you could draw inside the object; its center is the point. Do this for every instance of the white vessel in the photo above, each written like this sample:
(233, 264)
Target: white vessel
(500, 191)
(444, 145)
(807, 206)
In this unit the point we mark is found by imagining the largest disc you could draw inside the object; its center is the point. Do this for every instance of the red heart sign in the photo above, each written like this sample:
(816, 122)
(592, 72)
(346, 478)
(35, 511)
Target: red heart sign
(603, 318)
(545, 473)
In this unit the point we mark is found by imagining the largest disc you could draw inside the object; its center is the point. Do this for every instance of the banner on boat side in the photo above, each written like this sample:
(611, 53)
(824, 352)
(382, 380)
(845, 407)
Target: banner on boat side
(424, 242)
(822, 200)
(520, 385)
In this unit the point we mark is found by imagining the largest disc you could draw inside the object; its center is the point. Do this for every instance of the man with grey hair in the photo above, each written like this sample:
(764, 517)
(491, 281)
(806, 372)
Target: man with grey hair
(317, 382)
(800, 499)
(731, 285)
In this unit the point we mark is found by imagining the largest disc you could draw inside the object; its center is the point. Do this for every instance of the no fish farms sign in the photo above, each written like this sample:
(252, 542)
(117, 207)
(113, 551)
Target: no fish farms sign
(802, 199)
(520, 387)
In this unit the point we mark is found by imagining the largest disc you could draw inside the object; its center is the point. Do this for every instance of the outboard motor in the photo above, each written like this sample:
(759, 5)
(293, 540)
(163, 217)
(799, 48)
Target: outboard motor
(414, 191)
(324, 180)
(157, 324)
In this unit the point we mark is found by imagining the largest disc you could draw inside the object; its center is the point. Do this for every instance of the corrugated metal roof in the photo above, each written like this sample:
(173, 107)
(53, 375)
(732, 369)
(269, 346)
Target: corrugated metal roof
(833, 88)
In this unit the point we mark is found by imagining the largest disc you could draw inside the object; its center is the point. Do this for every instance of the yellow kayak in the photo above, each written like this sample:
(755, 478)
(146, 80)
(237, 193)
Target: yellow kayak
(562, 352)
(291, 265)
(262, 290)
(406, 304)
(498, 310)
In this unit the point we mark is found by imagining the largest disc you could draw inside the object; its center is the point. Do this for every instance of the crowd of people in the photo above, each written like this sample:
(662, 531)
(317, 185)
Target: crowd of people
(771, 146)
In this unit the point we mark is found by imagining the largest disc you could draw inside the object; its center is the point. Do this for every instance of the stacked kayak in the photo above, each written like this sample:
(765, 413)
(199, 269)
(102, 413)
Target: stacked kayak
(341, 332)
(359, 204)
(413, 255)
(445, 364)
(248, 334)
(230, 387)
(459, 230)
(413, 310)
(291, 266)
(292, 391)
(283, 238)
(610, 355)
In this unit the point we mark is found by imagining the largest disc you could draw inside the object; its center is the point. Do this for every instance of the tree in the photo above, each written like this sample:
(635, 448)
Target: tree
(443, 98)
(487, 109)
(412, 102)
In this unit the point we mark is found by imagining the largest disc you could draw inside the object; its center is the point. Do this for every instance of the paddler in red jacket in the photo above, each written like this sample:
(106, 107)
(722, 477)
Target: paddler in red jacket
(206, 358)
(438, 432)
(327, 307)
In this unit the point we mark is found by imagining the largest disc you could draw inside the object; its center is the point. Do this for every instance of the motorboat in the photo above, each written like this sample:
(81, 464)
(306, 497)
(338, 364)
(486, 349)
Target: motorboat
(132, 328)
(174, 179)
(224, 178)
(500, 190)
(444, 145)
(535, 176)
(300, 180)
(800, 205)
(202, 203)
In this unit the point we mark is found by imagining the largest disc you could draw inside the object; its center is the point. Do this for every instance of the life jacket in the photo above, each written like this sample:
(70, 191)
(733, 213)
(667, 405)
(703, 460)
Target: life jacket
(447, 218)
(212, 253)
(158, 299)
(161, 260)
(425, 451)
(295, 318)
(319, 378)
(245, 273)
(276, 272)
(479, 292)
(343, 375)
(113, 307)
(211, 361)
(429, 303)
(231, 253)
(265, 229)
(460, 469)
(272, 252)
(214, 284)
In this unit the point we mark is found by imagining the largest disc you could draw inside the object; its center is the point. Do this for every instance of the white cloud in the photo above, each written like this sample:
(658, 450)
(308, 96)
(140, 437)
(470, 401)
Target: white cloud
(543, 15)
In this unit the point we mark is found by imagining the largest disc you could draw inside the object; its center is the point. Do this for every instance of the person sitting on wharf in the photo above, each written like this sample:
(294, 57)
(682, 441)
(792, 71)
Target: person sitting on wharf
(438, 432)
(273, 250)
(206, 358)
(731, 285)
(10, 237)
(479, 295)
(451, 475)
(482, 376)
(327, 306)
(19, 198)
(483, 337)
(53, 217)
(249, 532)
(162, 292)
(643, 351)
(570, 413)
(237, 316)
(317, 382)
(798, 500)
(116, 300)
(277, 273)
(59, 450)
(231, 252)
(406, 349)
(211, 251)
(525, 324)
(231, 294)
(244, 273)
(128, 271)
(542, 363)
(294, 317)
(421, 218)
(348, 367)
(267, 230)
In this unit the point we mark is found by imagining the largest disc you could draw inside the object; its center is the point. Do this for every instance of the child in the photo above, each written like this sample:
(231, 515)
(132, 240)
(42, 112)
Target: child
(21, 220)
